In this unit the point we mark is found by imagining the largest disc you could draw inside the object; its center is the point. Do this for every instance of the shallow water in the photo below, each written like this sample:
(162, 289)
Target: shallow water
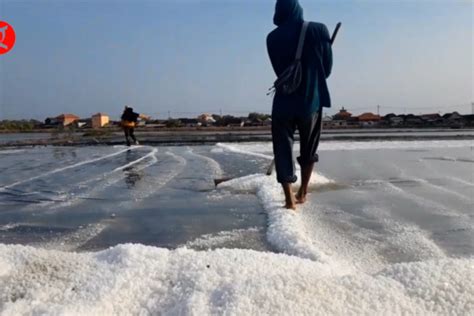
(162, 197)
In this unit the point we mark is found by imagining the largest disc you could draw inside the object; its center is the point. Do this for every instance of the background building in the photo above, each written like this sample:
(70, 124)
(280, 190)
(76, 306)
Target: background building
(100, 120)
(62, 120)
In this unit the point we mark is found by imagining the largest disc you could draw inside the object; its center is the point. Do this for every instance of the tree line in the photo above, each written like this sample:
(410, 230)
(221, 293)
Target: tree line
(19, 125)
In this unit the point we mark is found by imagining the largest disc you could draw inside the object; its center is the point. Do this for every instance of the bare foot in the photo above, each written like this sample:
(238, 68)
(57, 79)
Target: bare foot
(290, 203)
(289, 197)
(290, 206)
(300, 196)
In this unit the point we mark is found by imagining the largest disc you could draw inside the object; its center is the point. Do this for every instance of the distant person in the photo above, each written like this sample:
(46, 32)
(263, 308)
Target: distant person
(129, 122)
(301, 109)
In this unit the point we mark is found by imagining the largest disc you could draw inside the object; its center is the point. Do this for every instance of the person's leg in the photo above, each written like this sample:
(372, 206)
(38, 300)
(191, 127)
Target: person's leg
(283, 137)
(126, 132)
(290, 201)
(306, 172)
(310, 132)
(132, 134)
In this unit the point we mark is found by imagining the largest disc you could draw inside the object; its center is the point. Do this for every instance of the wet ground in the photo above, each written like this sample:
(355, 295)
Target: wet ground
(163, 197)
(88, 198)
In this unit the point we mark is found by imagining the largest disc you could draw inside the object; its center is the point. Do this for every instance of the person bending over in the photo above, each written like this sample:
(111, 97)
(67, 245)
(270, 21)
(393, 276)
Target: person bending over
(129, 122)
(301, 109)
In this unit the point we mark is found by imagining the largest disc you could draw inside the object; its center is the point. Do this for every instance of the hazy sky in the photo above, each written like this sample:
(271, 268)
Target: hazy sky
(194, 56)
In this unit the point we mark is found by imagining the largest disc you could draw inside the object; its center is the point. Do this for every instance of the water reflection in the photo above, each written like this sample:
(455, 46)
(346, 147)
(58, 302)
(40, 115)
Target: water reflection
(61, 153)
(132, 176)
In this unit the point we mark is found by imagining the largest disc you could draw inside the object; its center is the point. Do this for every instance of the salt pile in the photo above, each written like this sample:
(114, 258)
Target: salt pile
(134, 279)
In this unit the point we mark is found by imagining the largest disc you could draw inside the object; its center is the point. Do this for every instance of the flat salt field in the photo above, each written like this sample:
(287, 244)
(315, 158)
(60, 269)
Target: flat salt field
(388, 229)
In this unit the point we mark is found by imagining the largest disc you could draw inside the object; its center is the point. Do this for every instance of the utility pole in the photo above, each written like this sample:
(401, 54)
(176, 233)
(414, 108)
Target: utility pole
(472, 105)
(378, 109)
(169, 114)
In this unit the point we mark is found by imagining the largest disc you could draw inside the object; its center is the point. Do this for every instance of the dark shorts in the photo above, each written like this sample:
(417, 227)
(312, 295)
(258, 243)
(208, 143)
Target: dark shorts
(283, 131)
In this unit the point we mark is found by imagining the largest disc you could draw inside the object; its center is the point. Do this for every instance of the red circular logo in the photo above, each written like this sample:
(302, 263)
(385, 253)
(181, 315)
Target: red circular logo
(7, 37)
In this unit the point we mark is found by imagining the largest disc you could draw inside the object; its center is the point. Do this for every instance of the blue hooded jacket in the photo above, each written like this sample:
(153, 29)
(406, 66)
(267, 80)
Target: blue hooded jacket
(316, 60)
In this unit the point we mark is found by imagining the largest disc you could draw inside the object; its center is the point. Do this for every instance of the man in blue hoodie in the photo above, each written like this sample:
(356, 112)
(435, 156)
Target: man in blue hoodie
(302, 109)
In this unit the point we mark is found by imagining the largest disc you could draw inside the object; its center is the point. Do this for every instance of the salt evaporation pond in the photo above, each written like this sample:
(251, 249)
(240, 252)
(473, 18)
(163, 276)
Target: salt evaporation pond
(388, 229)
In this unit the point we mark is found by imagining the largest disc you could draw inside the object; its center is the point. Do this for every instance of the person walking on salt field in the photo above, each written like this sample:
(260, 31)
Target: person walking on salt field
(129, 122)
(301, 56)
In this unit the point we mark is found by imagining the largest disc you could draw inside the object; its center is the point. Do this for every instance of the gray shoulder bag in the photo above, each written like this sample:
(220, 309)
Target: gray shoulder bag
(290, 80)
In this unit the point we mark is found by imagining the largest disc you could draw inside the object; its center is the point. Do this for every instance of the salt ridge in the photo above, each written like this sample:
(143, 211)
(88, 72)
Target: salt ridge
(284, 229)
(262, 149)
(85, 162)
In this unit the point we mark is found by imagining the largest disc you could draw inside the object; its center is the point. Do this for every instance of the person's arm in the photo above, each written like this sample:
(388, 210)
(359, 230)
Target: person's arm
(326, 53)
(269, 55)
(143, 116)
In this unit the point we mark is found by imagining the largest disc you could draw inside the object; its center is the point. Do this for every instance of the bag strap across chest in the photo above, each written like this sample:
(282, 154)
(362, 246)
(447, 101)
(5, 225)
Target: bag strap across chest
(299, 51)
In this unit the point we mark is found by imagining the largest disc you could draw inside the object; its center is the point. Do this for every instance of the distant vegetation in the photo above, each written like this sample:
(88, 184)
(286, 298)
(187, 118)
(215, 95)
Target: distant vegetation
(19, 125)
(172, 123)
(256, 117)
(342, 119)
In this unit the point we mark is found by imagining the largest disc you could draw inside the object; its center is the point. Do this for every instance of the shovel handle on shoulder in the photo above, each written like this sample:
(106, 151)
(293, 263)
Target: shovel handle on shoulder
(336, 30)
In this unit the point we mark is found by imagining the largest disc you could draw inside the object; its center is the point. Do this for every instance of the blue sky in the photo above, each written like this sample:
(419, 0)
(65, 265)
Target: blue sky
(194, 56)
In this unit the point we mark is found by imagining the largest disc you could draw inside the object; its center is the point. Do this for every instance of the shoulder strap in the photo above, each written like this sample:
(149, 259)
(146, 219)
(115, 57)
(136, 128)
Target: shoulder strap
(299, 52)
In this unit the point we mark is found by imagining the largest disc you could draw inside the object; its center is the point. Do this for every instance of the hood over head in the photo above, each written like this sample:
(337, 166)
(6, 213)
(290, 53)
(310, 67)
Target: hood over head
(287, 10)
(127, 110)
